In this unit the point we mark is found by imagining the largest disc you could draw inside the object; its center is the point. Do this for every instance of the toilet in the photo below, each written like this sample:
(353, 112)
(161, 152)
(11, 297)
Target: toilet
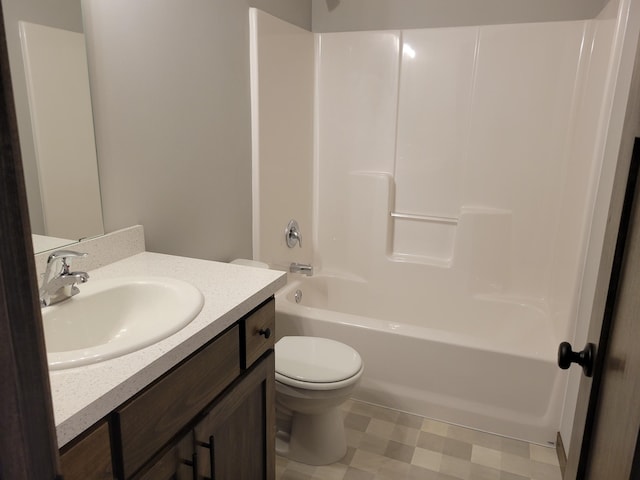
(314, 376)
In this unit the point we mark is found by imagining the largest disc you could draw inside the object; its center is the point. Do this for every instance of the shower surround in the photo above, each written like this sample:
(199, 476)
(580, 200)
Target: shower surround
(437, 169)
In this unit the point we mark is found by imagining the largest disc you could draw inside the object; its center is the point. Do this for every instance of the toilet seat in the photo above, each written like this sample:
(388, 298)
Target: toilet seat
(316, 363)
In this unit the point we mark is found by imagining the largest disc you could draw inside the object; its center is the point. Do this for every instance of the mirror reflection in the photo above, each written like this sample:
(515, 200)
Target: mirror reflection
(51, 89)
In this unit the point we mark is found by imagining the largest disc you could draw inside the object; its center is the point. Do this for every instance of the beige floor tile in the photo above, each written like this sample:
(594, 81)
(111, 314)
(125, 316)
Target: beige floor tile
(408, 420)
(455, 467)
(400, 446)
(335, 471)
(457, 448)
(362, 408)
(480, 472)
(487, 440)
(357, 474)
(544, 471)
(381, 428)
(515, 447)
(393, 471)
(512, 476)
(346, 460)
(399, 451)
(431, 441)
(515, 464)
(544, 454)
(461, 433)
(293, 475)
(373, 444)
(353, 437)
(486, 456)
(355, 421)
(433, 426)
(369, 462)
(405, 435)
(385, 414)
(420, 473)
(301, 468)
(426, 459)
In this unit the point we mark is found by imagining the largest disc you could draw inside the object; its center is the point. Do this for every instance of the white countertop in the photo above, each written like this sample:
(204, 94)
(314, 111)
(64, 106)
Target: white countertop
(83, 395)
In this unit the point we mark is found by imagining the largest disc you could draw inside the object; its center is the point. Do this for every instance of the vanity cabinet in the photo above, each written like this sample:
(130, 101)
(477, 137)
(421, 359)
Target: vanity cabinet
(210, 417)
(90, 457)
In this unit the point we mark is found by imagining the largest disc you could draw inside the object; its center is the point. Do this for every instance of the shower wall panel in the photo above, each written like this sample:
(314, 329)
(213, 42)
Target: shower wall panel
(469, 117)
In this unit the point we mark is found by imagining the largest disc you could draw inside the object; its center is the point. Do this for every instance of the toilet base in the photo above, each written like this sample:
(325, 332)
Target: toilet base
(314, 439)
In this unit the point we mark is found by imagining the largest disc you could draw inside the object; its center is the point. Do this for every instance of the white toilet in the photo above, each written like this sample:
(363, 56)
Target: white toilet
(314, 376)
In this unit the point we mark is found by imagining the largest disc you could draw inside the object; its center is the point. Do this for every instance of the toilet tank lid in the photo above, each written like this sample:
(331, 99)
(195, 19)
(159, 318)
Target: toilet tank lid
(316, 360)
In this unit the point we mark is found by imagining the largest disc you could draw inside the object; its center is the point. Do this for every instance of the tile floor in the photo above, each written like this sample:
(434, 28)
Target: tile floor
(384, 444)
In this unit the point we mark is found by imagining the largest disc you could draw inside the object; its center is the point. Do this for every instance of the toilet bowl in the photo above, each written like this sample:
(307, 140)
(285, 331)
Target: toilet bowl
(314, 376)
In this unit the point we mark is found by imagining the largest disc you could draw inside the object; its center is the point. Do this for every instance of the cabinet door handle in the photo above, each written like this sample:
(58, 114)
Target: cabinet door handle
(193, 463)
(212, 457)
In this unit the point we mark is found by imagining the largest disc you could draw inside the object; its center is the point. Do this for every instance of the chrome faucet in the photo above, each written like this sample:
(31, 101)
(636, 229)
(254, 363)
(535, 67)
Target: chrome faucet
(303, 268)
(58, 283)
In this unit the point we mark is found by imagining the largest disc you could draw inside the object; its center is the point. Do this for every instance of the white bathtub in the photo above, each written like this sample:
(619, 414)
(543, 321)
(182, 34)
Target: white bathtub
(487, 365)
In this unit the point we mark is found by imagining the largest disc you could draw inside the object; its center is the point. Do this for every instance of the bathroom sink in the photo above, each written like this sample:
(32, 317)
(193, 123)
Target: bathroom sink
(113, 317)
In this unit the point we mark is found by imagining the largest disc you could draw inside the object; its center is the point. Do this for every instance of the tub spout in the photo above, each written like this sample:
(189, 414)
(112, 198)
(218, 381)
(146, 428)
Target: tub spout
(304, 268)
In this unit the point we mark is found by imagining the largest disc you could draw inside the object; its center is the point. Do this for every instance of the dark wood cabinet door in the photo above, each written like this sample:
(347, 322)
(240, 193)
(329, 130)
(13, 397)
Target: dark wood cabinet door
(235, 437)
(90, 457)
(175, 464)
(152, 418)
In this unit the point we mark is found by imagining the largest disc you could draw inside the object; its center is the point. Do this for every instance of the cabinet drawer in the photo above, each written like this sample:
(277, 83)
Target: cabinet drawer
(89, 458)
(256, 343)
(152, 418)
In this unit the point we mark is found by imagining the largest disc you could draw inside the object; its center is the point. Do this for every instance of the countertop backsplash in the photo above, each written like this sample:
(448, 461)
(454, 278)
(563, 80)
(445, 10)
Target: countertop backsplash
(101, 250)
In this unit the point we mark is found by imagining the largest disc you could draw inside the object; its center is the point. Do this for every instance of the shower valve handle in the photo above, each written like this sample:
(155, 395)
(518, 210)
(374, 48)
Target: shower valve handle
(292, 234)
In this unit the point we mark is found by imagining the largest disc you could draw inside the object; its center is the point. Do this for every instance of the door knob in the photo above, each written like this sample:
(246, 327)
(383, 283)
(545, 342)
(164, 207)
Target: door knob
(584, 358)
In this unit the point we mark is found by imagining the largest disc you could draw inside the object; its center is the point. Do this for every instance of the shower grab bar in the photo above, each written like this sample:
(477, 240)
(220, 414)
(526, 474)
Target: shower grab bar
(426, 218)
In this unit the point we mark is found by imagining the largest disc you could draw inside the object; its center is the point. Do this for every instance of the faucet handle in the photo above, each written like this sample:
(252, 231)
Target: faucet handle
(292, 234)
(63, 255)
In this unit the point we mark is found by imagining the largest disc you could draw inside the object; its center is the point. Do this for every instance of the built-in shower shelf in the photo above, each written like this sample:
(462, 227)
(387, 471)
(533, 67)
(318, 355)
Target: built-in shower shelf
(421, 260)
(425, 239)
(426, 218)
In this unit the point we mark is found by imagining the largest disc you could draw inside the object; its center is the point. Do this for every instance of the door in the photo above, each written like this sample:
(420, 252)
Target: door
(28, 447)
(608, 408)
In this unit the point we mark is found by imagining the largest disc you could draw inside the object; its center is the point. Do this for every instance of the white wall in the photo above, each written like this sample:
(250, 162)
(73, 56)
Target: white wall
(170, 85)
(282, 72)
(350, 15)
(296, 12)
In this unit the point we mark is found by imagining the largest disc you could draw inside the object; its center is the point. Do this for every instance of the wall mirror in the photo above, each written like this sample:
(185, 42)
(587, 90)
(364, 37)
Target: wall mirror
(49, 73)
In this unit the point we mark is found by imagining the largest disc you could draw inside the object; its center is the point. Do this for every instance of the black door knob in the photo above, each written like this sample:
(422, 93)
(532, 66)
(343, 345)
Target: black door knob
(584, 358)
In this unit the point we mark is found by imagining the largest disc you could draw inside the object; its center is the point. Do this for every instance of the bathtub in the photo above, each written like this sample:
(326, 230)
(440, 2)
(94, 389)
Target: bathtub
(484, 364)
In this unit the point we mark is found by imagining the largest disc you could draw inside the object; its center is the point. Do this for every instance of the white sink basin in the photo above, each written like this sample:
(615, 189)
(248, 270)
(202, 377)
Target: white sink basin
(113, 317)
